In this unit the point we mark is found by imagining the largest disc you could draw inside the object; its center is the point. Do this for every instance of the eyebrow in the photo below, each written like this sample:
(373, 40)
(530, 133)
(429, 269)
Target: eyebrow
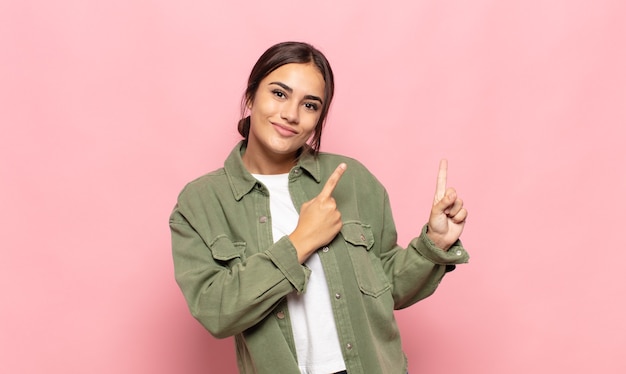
(290, 90)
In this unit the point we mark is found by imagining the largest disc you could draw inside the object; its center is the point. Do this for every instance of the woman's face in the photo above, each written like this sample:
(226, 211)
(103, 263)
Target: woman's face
(285, 110)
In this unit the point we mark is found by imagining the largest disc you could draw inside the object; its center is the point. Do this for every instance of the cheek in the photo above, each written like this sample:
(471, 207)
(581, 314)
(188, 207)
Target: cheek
(312, 119)
(311, 123)
(270, 105)
(261, 108)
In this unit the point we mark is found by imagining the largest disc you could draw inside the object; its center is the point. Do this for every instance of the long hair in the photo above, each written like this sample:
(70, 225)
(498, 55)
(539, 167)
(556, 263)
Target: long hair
(277, 56)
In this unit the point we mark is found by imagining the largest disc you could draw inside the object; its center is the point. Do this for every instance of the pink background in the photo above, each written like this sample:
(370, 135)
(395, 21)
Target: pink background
(108, 108)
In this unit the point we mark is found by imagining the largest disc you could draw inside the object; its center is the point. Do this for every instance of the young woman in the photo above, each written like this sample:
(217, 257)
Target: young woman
(293, 251)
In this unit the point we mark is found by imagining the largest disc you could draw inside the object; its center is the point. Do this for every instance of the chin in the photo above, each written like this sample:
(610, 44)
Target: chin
(283, 148)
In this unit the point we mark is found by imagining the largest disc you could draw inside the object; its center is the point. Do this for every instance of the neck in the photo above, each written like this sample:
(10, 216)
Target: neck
(267, 164)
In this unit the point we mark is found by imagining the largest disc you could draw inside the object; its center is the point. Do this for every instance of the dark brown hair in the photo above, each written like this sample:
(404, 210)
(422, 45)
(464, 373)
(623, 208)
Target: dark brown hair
(277, 56)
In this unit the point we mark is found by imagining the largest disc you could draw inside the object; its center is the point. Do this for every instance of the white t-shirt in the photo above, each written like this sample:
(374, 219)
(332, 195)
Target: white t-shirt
(312, 320)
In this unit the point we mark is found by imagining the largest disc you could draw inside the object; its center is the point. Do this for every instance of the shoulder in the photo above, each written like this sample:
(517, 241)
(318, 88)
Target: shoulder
(356, 170)
(332, 160)
(210, 181)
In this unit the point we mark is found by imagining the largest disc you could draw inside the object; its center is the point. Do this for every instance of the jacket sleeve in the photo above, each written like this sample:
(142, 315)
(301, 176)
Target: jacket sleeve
(414, 272)
(226, 292)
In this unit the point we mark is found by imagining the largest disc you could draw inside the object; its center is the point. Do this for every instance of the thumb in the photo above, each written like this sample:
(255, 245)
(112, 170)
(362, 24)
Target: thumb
(441, 206)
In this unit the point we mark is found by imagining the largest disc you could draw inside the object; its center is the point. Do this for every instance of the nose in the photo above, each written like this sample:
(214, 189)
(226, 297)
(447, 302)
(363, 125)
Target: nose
(289, 112)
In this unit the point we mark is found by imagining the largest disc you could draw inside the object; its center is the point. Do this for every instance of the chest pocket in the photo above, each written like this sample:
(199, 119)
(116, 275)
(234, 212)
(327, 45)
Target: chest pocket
(367, 266)
(226, 251)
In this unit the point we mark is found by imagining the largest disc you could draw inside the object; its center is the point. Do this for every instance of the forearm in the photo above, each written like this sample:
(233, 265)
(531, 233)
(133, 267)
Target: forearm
(231, 293)
(417, 270)
(414, 272)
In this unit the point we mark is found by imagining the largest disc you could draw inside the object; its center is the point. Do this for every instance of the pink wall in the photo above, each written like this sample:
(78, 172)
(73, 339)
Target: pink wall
(108, 107)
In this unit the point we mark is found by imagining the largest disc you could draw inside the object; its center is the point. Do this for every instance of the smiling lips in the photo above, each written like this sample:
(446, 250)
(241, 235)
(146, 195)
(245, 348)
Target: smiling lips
(284, 130)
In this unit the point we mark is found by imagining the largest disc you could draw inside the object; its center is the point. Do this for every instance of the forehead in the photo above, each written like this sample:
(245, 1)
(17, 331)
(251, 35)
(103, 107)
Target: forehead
(305, 78)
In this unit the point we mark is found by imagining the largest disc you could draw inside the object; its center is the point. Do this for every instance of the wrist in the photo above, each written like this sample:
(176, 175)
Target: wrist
(438, 240)
(303, 247)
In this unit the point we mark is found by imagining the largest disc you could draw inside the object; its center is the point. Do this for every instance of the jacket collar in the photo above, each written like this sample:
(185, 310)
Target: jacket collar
(242, 182)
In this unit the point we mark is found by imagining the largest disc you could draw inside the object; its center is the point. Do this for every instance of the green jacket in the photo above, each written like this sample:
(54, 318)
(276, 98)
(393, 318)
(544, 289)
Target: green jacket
(235, 278)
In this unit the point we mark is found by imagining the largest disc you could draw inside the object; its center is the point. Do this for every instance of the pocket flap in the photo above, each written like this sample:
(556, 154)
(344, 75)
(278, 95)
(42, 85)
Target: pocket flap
(358, 234)
(224, 249)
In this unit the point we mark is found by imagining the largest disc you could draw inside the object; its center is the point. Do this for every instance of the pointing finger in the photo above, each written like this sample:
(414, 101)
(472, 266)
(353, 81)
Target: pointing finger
(332, 181)
(442, 179)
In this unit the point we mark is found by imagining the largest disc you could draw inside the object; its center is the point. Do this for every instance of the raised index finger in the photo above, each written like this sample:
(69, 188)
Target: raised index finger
(442, 178)
(332, 181)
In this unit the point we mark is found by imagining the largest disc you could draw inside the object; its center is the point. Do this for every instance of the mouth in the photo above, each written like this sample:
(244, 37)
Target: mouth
(284, 130)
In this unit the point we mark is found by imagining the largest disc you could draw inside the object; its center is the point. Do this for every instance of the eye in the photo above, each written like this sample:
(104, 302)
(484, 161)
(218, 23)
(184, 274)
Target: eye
(311, 106)
(279, 93)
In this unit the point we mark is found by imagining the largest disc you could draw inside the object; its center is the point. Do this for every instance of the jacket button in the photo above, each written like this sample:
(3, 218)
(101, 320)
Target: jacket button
(280, 315)
(349, 346)
(263, 219)
(337, 296)
(325, 249)
(362, 237)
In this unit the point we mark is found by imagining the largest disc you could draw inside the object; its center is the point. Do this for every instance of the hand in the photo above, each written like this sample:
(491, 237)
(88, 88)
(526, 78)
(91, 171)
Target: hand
(319, 220)
(447, 217)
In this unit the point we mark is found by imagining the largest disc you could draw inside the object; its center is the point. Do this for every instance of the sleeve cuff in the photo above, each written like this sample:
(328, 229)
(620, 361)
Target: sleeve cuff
(284, 256)
(456, 254)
